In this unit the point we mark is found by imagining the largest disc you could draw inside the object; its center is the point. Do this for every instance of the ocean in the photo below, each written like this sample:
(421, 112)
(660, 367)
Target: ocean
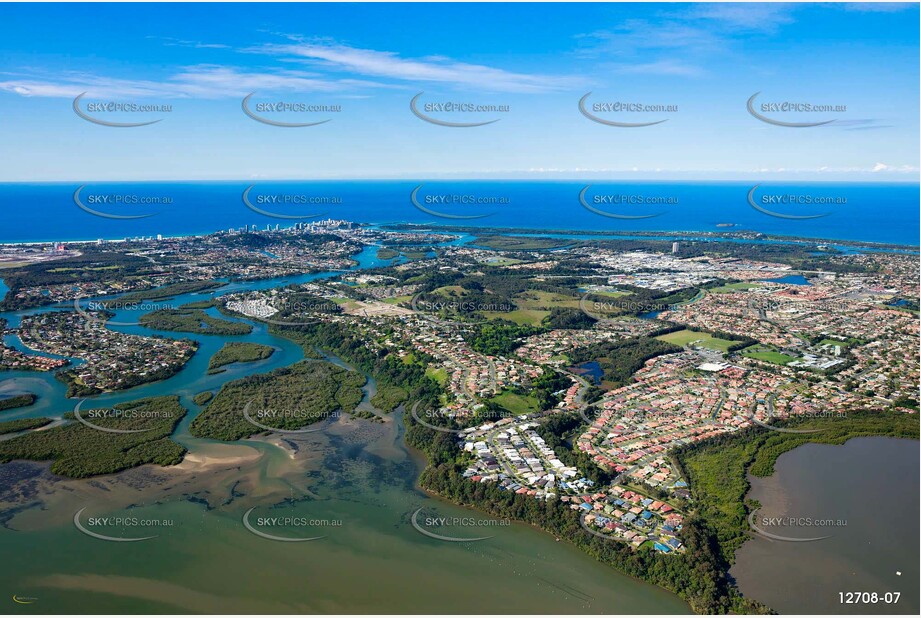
(43, 212)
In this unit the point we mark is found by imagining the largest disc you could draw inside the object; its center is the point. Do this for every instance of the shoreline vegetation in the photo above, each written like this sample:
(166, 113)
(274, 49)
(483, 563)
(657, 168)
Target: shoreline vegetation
(191, 318)
(203, 398)
(77, 450)
(23, 424)
(166, 292)
(717, 524)
(239, 352)
(717, 470)
(652, 234)
(17, 401)
(288, 398)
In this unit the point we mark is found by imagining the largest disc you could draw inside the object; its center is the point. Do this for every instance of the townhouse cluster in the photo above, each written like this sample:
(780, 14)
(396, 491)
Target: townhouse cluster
(510, 452)
(632, 517)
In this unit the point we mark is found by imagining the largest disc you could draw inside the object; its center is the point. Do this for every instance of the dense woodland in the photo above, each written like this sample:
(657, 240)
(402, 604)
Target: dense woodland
(716, 469)
(17, 401)
(239, 352)
(79, 451)
(288, 398)
(23, 424)
(188, 319)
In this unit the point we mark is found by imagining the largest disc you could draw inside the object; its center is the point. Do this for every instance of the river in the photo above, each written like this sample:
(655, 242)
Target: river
(866, 494)
(353, 483)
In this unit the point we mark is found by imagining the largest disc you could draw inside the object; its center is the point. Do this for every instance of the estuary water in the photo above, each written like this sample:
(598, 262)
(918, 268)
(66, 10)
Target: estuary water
(862, 495)
(351, 486)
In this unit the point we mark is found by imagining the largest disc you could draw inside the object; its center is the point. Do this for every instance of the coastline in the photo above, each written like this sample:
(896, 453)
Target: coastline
(423, 457)
(586, 545)
(762, 566)
(734, 236)
(739, 236)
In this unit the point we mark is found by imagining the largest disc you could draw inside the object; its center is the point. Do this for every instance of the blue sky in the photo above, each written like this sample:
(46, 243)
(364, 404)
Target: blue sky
(537, 59)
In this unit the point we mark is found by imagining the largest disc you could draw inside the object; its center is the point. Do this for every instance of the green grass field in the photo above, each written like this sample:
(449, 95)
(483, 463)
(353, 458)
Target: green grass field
(734, 287)
(398, 300)
(450, 290)
(533, 306)
(515, 403)
(520, 243)
(500, 261)
(345, 303)
(440, 375)
(539, 299)
(525, 317)
(704, 340)
(767, 355)
(610, 293)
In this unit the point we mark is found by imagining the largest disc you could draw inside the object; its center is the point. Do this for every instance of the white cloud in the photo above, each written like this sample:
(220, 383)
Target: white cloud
(334, 68)
(661, 67)
(204, 81)
(748, 15)
(878, 7)
(438, 69)
(895, 169)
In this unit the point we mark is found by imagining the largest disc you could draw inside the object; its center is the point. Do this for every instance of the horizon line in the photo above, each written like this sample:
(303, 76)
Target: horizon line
(877, 180)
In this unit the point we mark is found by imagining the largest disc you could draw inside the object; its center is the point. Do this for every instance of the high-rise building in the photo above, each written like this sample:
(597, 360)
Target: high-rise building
(674, 247)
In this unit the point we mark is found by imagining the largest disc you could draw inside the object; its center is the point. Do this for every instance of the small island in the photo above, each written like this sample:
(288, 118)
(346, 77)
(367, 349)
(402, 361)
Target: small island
(239, 352)
(192, 318)
(94, 446)
(17, 401)
(288, 398)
